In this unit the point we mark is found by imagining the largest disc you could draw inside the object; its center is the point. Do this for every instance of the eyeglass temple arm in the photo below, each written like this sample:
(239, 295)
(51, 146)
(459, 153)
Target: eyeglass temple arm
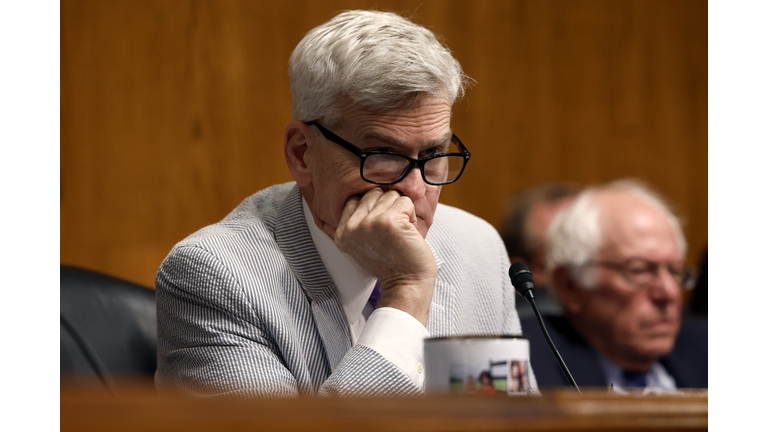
(335, 138)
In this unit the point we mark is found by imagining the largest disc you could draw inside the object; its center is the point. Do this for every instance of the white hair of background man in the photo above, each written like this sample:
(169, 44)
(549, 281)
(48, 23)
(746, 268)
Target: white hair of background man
(379, 60)
(574, 236)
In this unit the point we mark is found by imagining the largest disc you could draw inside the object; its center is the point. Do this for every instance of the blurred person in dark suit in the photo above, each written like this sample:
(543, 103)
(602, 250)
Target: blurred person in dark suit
(525, 227)
(616, 258)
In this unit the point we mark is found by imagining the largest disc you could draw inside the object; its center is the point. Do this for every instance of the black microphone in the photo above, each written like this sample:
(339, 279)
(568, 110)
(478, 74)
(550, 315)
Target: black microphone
(522, 280)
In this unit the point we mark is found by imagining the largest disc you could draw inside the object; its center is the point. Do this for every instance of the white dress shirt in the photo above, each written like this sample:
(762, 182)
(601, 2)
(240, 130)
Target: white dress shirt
(394, 334)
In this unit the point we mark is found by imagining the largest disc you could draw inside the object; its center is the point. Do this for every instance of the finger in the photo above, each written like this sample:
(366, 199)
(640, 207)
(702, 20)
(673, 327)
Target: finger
(349, 208)
(363, 206)
(405, 205)
(370, 198)
(384, 202)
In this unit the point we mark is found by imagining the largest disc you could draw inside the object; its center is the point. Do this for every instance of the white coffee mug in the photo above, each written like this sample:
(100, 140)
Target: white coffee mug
(477, 365)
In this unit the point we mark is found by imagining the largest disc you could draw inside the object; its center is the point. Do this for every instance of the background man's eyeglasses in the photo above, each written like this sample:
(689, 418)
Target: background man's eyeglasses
(386, 168)
(640, 272)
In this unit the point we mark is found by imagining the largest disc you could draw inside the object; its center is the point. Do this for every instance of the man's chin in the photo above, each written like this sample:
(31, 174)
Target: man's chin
(658, 348)
(422, 227)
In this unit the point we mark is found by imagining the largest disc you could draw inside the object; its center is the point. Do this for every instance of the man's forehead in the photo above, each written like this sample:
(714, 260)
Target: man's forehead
(429, 119)
(631, 228)
(391, 137)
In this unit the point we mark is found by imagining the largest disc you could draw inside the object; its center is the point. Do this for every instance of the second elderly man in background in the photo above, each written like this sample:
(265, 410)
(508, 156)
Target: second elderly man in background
(617, 260)
(278, 298)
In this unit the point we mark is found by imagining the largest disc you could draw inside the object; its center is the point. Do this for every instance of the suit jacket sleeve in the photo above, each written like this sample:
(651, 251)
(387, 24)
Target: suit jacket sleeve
(213, 339)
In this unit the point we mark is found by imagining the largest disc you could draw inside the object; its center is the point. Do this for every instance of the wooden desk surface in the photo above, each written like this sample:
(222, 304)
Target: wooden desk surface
(140, 409)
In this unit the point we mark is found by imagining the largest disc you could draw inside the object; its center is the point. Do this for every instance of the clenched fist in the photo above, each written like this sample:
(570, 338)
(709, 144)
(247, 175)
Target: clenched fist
(378, 231)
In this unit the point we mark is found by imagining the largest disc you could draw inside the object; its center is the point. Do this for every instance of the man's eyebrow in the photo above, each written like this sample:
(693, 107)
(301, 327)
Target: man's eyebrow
(394, 142)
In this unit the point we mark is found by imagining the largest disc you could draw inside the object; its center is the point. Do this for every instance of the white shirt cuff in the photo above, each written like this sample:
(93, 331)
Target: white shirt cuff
(399, 337)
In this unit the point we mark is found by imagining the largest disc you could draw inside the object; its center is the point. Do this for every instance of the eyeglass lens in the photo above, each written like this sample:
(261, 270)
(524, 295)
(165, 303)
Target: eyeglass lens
(387, 168)
(642, 272)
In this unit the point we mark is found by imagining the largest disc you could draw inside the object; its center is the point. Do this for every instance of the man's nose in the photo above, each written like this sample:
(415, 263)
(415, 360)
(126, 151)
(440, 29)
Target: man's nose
(665, 287)
(412, 185)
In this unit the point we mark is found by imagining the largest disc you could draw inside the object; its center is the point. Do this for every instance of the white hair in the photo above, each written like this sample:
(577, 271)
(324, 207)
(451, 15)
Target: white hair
(575, 234)
(378, 60)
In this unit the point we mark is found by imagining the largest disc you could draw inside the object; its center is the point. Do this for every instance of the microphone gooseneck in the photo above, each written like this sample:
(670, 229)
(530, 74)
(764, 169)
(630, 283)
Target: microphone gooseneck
(522, 280)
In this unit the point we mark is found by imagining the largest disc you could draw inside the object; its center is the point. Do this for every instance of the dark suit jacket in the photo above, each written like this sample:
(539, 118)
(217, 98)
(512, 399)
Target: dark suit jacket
(687, 363)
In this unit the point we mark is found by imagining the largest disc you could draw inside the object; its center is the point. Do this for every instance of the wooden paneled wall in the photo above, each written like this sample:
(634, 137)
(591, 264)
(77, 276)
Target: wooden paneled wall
(173, 111)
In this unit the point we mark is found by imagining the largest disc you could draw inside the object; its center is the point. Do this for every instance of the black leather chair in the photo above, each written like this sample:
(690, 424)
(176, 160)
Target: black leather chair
(108, 329)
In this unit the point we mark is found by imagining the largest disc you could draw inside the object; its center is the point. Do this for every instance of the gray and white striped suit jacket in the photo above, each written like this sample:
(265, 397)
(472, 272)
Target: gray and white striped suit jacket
(246, 307)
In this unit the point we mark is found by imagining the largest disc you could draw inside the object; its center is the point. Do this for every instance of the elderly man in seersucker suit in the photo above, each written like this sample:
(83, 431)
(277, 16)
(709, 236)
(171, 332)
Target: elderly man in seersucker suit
(328, 286)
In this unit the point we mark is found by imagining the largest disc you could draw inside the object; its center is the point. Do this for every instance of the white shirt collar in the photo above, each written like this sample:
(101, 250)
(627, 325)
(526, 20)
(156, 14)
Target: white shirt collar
(659, 380)
(353, 284)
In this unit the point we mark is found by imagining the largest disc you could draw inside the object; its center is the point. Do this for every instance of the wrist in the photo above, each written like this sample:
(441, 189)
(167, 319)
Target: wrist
(413, 297)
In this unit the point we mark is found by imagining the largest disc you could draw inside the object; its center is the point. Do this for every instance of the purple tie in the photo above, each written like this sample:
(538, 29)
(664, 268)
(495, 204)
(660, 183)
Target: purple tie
(375, 295)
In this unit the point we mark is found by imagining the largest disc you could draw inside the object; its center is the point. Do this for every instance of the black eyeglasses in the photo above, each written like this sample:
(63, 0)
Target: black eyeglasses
(639, 272)
(386, 168)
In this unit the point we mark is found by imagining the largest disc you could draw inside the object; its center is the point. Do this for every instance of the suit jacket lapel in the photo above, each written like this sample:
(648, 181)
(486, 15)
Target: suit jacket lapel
(438, 322)
(582, 360)
(687, 363)
(295, 242)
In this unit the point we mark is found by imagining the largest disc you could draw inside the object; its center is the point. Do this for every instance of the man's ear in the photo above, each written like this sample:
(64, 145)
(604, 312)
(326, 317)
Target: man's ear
(568, 292)
(297, 136)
